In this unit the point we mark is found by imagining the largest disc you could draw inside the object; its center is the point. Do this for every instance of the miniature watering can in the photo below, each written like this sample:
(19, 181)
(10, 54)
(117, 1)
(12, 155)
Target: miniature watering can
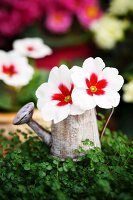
(66, 136)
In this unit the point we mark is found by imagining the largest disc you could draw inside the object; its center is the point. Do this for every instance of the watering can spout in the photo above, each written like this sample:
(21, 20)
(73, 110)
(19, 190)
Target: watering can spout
(24, 116)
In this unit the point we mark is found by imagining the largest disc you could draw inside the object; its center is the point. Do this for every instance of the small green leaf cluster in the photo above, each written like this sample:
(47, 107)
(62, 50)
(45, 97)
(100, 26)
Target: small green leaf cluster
(29, 171)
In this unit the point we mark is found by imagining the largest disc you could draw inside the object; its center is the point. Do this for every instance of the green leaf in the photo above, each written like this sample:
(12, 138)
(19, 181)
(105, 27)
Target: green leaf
(27, 166)
(42, 174)
(5, 99)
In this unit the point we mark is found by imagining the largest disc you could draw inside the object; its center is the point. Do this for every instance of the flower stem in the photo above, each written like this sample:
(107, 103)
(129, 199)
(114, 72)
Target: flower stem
(112, 111)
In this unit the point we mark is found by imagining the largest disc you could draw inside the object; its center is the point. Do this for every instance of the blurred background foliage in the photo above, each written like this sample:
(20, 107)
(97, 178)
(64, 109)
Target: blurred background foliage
(75, 30)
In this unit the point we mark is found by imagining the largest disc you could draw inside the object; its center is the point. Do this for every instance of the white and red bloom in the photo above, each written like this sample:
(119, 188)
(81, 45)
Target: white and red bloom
(54, 98)
(58, 21)
(32, 47)
(14, 69)
(96, 85)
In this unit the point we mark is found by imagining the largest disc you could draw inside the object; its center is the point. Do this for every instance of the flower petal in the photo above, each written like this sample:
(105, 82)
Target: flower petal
(102, 84)
(99, 62)
(44, 91)
(91, 65)
(93, 79)
(50, 111)
(76, 110)
(65, 76)
(114, 80)
(61, 75)
(102, 101)
(79, 77)
(82, 99)
(41, 103)
(113, 97)
(76, 69)
(108, 100)
(61, 113)
(54, 76)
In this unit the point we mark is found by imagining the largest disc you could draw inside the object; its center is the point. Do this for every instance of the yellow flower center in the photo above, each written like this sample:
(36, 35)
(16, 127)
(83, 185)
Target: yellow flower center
(93, 88)
(91, 11)
(67, 98)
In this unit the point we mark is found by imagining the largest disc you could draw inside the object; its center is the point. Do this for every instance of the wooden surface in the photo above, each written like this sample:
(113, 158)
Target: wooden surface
(7, 118)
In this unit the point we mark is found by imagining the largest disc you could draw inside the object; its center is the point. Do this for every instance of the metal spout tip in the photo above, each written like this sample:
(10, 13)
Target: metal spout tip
(24, 115)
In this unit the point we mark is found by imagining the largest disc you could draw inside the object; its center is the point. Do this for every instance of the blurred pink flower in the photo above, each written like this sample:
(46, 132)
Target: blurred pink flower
(72, 5)
(30, 10)
(49, 5)
(89, 12)
(16, 15)
(9, 23)
(58, 21)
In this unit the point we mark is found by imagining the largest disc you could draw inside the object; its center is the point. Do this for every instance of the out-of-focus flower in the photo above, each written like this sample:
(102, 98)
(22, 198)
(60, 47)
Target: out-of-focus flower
(108, 30)
(58, 21)
(16, 15)
(121, 7)
(14, 69)
(96, 85)
(88, 13)
(32, 47)
(54, 98)
(30, 10)
(10, 23)
(72, 5)
(128, 92)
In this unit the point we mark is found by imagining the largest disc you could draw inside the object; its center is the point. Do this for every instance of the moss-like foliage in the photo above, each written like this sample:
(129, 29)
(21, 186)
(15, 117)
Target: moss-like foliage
(28, 171)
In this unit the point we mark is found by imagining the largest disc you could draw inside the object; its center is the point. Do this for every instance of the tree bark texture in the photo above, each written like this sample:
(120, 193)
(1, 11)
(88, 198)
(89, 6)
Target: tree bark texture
(67, 135)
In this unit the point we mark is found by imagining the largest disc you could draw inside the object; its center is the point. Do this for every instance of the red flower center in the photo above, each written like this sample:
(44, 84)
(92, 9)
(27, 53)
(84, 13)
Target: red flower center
(9, 70)
(30, 48)
(64, 97)
(94, 86)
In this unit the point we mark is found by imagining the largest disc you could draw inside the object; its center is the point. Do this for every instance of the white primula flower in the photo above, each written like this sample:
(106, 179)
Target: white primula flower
(96, 85)
(128, 92)
(121, 7)
(108, 30)
(14, 69)
(32, 47)
(54, 98)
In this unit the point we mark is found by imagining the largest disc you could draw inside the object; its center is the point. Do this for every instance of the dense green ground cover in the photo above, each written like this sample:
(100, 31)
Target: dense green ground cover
(28, 171)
